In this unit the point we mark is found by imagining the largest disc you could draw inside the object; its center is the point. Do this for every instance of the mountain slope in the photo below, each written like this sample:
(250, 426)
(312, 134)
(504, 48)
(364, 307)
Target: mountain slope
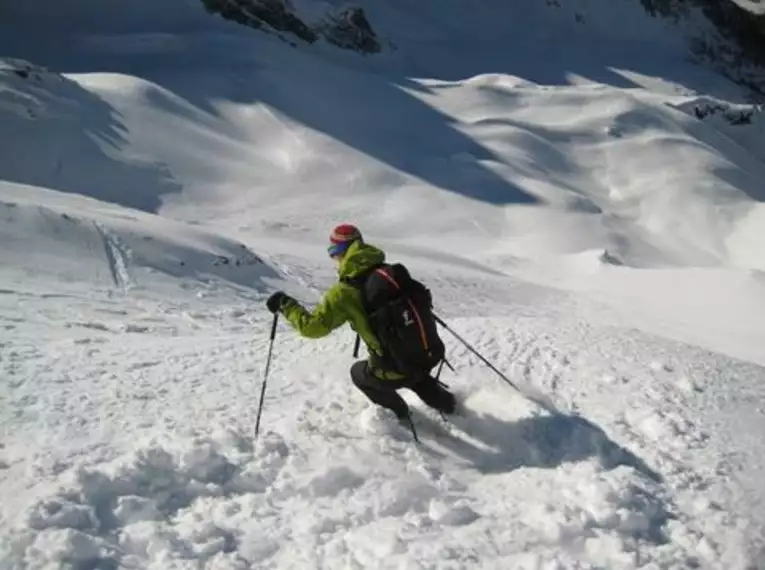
(142, 407)
(582, 217)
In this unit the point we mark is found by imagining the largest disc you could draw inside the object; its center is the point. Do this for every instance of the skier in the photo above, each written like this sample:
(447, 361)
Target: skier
(378, 377)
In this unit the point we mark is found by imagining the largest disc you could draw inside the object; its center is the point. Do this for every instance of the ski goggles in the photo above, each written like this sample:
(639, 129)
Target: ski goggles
(337, 249)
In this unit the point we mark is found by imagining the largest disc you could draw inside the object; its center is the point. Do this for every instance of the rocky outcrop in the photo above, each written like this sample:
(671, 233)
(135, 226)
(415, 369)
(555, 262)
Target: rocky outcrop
(733, 115)
(276, 14)
(350, 29)
(738, 51)
(347, 29)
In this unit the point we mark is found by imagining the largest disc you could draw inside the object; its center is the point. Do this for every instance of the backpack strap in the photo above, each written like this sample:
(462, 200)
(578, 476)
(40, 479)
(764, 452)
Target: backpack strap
(357, 281)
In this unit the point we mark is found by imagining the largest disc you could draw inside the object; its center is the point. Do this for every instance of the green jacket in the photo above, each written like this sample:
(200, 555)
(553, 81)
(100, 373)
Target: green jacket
(342, 303)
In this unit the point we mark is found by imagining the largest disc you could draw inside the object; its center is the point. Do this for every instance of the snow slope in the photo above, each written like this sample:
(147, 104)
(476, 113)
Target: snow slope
(132, 415)
(576, 221)
(754, 6)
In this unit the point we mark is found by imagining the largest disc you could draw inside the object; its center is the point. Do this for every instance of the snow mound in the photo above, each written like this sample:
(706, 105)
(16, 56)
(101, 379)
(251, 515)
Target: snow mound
(81, 239)
(378, 421)
(744, 123)
(135, 510)
(222, 501)
(80, 141)
(539, 180)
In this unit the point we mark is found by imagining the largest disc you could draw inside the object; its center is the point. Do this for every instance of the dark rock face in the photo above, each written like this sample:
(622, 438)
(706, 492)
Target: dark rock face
(348, 29)
(276, 14)
(739, 50)
(744, 28)
(733, 115)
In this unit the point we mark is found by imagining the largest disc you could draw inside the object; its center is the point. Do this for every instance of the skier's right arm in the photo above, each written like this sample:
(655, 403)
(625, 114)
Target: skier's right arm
(328, 315)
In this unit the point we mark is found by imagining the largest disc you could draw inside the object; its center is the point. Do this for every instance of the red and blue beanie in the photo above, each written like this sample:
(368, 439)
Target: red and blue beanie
(342, 237)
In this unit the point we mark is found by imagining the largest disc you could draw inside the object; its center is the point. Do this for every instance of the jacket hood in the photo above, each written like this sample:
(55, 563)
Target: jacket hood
(359, 259)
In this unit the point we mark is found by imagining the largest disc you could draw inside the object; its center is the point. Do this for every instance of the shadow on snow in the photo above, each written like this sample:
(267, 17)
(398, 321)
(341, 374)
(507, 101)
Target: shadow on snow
(544, 441)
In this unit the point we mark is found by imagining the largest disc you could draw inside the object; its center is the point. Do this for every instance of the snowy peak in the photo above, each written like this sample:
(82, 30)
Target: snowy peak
(21, 80)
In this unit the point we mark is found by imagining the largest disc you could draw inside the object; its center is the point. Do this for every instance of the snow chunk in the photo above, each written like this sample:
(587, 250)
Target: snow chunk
(374, 543)
(272, 444)
(60, 513)
(688, 385)
(457, 514)
(376, 420)
(257, 546)
(145, 539)
(622, 501)
(611, 550)
(67, 546)
(333, 481)
(205, 463)
(205, 540)
(411, 493)
(133, 509)
(253, 479)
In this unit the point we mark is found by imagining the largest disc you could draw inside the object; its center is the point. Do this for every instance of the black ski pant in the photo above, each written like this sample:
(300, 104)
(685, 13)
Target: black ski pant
(385, 392)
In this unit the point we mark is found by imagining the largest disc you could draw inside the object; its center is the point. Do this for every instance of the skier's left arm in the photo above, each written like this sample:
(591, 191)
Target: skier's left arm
(328, 315)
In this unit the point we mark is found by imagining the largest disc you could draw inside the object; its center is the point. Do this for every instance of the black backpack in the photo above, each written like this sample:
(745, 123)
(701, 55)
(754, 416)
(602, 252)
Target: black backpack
(400, 312)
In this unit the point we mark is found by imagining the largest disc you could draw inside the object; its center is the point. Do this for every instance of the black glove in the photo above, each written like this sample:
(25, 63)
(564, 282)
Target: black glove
(276, 301)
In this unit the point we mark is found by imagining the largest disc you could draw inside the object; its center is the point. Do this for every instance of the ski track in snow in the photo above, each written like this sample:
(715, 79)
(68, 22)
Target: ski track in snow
(118, 256)
(146, 451)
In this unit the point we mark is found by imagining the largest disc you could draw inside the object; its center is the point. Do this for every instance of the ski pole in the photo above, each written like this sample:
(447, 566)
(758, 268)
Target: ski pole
(440, 368)
(414, 431)
(356, 346)
(474, 351)
(265, 376)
